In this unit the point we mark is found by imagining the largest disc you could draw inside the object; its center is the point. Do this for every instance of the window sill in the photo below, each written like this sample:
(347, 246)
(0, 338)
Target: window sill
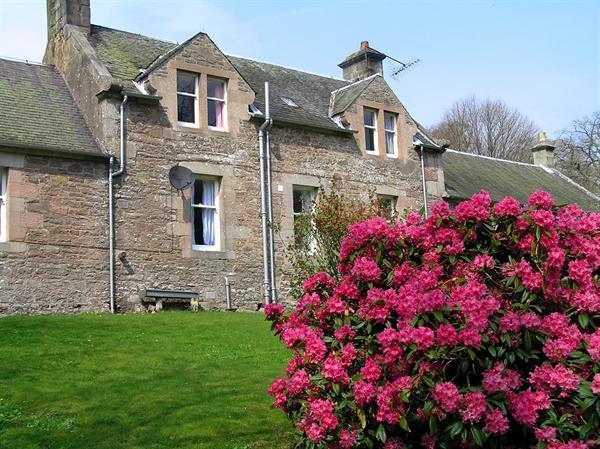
(187, 125)
(391, 156)
(12, 247)
(205, 254)
(219, 130)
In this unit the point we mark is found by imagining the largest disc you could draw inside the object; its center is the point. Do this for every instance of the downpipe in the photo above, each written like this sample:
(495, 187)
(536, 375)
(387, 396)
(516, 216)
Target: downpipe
(269, 180)
(264, 205)
(422, 157)
(111, 214)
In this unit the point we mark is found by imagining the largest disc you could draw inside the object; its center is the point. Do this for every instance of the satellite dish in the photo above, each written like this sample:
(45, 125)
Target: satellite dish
(180, 177)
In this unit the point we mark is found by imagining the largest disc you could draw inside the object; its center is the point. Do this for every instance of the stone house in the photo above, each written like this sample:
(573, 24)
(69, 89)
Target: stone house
(101, 91)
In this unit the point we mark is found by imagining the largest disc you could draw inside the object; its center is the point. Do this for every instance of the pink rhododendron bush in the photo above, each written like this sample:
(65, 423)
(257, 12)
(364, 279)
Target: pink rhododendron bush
(479, 327)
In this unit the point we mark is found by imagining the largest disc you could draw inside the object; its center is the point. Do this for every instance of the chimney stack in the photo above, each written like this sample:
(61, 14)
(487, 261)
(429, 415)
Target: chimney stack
(363, 63)
(543, 152)
(67, 12)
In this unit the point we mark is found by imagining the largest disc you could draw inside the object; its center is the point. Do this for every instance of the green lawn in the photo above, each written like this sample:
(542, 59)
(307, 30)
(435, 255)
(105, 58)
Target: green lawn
(168, 380)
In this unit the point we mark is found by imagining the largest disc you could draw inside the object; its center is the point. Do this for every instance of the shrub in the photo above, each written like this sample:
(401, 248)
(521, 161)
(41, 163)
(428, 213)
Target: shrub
(476, 328)
(319, 231)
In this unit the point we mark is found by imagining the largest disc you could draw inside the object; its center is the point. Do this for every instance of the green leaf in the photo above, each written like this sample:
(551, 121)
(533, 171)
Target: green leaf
(381, 435)
(584, 320)
(404, 424)
(361, 416)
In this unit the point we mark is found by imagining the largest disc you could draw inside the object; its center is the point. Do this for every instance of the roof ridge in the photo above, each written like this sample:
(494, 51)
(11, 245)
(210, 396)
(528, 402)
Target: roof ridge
(285, 67)
(494, 158)
(135, 34)
(25, 61)
(356, 82)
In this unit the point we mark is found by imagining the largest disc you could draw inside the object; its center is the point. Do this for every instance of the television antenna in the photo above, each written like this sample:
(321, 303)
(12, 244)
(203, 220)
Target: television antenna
(400, 66)
(181, 178)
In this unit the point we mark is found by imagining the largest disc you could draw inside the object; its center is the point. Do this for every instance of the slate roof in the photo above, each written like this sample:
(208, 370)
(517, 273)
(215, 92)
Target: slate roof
(38, 113)
(124, 53)
(465, 174)
(345, 96)
(309, 91)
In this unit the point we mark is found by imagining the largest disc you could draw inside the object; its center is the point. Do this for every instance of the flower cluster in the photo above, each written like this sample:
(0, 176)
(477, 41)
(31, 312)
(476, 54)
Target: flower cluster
(478, 327)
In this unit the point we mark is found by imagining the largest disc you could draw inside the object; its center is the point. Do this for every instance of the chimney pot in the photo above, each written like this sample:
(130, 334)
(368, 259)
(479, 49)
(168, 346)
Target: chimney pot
(364, 44)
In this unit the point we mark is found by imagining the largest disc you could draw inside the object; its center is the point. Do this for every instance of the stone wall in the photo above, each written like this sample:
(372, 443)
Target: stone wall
(56, 256)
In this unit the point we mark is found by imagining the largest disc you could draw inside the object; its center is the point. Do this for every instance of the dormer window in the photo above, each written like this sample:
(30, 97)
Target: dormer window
(187, 98)
(370, 131)
(391, 139)
(216, 97)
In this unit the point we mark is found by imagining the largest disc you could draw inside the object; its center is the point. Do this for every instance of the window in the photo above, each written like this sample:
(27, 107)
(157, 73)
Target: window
(391, 141)
(216, 92)
(370, 130)
(304, 198)
(3, 184)
(205, 212)
(387, 204)
(187, 98)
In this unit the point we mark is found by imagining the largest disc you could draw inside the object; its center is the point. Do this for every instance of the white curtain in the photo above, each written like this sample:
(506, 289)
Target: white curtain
(208, 215)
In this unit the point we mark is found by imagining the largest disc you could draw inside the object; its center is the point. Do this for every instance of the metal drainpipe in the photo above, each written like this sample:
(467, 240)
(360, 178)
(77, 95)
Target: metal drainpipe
(263, 200)
(422, 157)
(273, 284)
(111, 217)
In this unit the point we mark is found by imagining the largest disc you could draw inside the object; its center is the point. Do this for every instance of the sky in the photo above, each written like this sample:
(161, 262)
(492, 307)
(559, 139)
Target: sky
(540, 57)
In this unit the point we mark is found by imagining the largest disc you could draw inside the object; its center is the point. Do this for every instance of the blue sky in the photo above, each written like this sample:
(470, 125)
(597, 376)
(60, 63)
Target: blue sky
(541, 57)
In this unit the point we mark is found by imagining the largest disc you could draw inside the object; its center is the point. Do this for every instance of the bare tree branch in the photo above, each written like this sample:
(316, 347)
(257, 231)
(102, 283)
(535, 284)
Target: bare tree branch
(489, 128)
(578, 151)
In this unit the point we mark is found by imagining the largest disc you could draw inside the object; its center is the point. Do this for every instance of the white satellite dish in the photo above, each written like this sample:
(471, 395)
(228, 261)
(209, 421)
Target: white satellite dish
(180, 177)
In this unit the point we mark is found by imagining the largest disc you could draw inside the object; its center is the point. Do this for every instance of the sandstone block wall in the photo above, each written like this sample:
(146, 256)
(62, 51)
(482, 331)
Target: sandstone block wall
(56, 256)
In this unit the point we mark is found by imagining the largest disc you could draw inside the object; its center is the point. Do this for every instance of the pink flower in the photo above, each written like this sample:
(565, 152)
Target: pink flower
(596, 384)
(299, 382)
(545, 433)
(273, 311)
(446, 395)
(496, 421)
(366, 269)
(508, 207)
(500, 379)
(318, 281)
(476, 208)
(548, 377)
(525, 405)
(473, 406)
(347, 439)
(344, 333)
(333, 370)
(593, 346)
(540, 199)
(371, 372)
(447, 335)
(363, 392)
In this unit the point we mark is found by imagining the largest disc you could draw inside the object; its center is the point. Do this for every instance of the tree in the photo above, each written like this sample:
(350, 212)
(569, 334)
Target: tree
(488, 128)
(578, 151)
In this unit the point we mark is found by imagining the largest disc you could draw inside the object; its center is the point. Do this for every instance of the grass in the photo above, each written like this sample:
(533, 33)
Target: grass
(163, 381)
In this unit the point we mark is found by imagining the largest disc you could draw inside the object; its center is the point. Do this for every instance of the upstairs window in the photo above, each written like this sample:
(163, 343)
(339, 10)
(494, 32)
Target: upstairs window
(187, 98)
(370, 131)
(217, 103)
(3, 184)
(391, 139)
(304, 198)
(205, 210)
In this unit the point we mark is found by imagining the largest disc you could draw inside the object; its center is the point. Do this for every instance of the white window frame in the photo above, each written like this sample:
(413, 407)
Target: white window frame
(374, 128)
(195, 95)
(221, 100)
(313, 192)
(394, 132)
(217, 224)
(3, 203)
